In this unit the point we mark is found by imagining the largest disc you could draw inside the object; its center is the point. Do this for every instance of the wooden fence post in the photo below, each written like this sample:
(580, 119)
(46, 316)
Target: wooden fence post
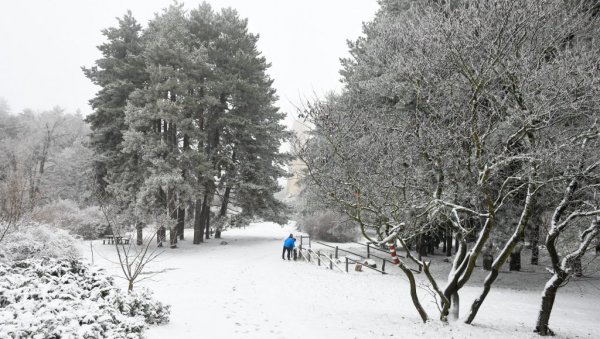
(383, 267)
(336, 252)
(319, 257)
(331, 261)
(368, 251)
(346, 264)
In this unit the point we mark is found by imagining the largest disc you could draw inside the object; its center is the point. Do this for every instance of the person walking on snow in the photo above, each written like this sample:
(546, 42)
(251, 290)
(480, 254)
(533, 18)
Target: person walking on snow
(288, 245)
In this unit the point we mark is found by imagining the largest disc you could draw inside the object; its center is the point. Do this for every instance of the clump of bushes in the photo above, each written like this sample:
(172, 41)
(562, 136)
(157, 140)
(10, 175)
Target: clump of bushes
(329, 226)
(51, 298)
(35, 241)
(88, 223)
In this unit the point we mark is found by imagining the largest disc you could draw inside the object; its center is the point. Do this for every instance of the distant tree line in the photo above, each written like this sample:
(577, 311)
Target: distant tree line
(471, 122)
(185, 120)
(43, 157)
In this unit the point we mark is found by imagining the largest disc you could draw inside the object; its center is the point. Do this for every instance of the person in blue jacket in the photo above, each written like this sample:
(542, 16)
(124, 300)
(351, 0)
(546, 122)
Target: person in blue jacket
(288, 246)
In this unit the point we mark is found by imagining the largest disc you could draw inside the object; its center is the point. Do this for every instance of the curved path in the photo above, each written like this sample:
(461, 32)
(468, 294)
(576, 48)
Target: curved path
(244, 290)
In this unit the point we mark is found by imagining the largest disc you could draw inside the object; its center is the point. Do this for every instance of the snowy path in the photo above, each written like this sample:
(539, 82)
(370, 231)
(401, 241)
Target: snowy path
(245, 290)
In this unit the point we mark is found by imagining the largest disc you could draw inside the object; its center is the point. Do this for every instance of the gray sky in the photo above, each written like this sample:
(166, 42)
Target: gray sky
(43, 44)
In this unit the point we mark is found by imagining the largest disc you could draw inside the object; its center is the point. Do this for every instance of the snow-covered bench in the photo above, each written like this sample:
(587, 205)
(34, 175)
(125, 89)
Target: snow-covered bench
(111, 239)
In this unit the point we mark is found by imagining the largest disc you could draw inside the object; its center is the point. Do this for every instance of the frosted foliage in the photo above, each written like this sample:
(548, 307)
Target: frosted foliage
(87, 222)
(65, 299)
(329, 226)
(34, 241)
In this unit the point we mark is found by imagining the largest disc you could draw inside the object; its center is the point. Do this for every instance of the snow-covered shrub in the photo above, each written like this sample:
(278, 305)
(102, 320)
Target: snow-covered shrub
(49, 298)
(88, 223)
(140, 302)
(32, 240)
(328, 226)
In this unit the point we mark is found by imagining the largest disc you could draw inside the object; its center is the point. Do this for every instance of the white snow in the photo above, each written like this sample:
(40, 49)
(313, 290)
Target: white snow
(245, 290)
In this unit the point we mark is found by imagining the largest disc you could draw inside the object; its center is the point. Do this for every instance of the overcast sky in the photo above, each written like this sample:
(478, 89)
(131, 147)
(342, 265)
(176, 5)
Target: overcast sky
(43, 44)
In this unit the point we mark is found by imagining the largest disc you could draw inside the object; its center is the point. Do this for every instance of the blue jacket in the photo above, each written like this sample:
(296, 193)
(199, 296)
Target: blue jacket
(289, 243)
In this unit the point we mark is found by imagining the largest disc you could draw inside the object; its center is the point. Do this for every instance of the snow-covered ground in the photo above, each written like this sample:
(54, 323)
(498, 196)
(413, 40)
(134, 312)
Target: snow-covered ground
(244, 290)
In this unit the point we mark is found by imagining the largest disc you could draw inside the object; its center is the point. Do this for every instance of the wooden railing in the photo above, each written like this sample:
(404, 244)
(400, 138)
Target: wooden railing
(316, 257)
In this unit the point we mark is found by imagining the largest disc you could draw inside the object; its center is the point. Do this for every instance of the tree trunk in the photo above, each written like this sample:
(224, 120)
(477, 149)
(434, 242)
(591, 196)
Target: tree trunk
(455, 306)
(180, 222)
(223, 211)
(444, 242)
(448, 242)
(488, 260)
(534, 239)
(431, 243)
(140, 236)
(455, 245)
(171, 208)
(413, 292)
(512, 245)
(422, 249)
(515, 260)
(487, 285)
(161, 234)
(198, 226)
(577, 268)
(173, 237)
(207, 222)
(548, 297)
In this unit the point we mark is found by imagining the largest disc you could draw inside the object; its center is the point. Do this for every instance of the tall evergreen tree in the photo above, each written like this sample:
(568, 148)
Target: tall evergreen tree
(201, 128)
(158, 119)
(119, 72)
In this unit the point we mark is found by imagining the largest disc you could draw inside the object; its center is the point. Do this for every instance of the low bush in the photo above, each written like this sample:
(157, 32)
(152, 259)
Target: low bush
(50, 298)
(89, 223)
(33, 240)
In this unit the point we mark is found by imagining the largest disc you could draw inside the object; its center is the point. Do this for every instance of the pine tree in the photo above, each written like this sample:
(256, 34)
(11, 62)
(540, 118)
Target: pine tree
(244, 130)
(119, 72)
(201, 129)
(159, 118)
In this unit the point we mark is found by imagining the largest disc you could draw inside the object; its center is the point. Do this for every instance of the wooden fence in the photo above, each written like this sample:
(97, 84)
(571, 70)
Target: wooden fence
(331, 260)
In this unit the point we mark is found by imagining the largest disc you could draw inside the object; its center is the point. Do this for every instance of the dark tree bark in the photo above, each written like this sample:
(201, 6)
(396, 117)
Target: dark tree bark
(422, 246)
(488, 259)
(448, 242)
(198, 225)
(173, 222)
(577, 267)
(161, 235)
(444, 242)
(180, 222)
(223, 210)
(515, 260)
(548, 298)
(173, 237)
(140, 236)
(207, 221)
(534, 238)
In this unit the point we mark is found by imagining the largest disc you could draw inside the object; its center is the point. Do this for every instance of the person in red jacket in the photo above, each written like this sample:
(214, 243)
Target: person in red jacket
(288, 246)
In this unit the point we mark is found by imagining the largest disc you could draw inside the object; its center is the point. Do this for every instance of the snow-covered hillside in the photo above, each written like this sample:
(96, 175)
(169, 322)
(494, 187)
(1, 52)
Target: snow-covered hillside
(244, 290)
